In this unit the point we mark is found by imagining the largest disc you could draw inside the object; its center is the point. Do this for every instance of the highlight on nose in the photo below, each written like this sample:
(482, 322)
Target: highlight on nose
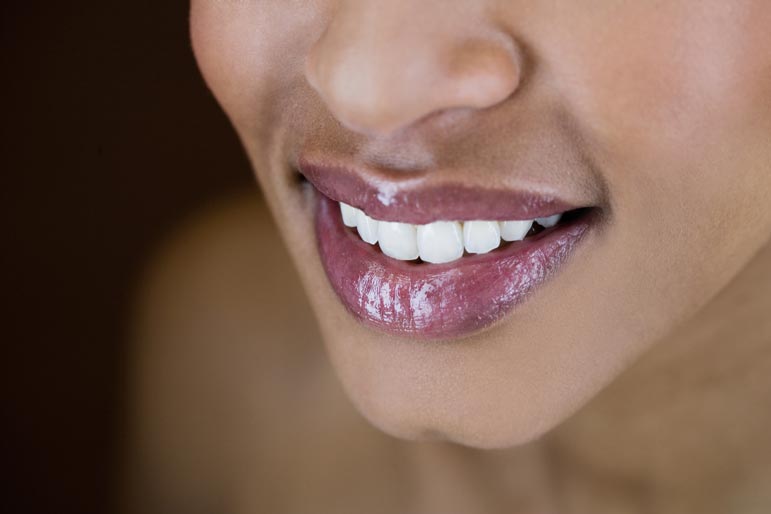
(374, 84)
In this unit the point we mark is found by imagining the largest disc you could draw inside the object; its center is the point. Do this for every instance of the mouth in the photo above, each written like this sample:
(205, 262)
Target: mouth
(438, 262)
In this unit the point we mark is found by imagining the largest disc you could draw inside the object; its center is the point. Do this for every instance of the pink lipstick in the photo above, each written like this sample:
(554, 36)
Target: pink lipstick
(437, 301)
(413, 201)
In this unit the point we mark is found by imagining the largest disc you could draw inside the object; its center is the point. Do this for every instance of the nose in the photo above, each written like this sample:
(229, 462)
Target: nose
(383, 65)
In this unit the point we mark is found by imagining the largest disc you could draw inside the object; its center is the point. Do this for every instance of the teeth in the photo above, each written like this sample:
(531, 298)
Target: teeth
(350, 214)
(515, 230)
(441, 241)
(398, 240)
(549, 221)
(481, 236)
(367, 227)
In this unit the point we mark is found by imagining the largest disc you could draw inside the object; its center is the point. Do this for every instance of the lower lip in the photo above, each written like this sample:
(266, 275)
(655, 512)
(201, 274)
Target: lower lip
(438, 301)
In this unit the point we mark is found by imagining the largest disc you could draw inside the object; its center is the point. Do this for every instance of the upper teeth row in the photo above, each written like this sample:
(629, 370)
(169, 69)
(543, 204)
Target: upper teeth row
(440, 241)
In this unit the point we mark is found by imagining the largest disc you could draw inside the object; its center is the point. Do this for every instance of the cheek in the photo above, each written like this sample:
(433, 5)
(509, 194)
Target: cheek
(677, 112)
(251, 54)
(225, 58)
(654, 80)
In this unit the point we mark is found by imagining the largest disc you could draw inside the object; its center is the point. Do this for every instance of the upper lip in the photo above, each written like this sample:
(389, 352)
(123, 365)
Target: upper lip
(425, 196)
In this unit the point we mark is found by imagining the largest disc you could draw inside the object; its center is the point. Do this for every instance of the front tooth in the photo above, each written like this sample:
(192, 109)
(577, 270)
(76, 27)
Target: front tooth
(515, 230)
(367, 227)
(350, 214)
(481, 236)
(441, 241)
(549, 221)
(398, 240)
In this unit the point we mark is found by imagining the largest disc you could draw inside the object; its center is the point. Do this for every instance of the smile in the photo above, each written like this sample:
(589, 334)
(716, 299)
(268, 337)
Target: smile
(407, 274)
(440, 241)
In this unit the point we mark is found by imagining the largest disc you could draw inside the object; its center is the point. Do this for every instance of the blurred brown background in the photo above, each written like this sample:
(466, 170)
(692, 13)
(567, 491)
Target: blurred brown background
(110, 138)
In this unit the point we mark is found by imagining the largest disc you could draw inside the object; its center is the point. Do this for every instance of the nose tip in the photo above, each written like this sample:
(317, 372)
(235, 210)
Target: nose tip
(377, 83)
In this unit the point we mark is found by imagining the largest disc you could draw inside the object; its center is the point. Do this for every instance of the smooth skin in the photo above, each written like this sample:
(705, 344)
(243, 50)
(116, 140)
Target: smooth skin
(639, 376)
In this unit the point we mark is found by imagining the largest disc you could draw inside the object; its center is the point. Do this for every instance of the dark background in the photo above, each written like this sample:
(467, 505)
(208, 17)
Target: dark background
(109, 139)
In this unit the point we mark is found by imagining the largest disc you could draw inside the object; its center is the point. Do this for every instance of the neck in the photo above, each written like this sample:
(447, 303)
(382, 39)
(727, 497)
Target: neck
(691, 417)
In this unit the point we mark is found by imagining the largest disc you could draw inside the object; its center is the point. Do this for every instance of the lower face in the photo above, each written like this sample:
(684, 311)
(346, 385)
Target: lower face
(484, 341)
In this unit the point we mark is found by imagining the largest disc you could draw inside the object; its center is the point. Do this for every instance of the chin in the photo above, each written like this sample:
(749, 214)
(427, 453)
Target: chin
(481, 433)
(463, 392)
(483, 427)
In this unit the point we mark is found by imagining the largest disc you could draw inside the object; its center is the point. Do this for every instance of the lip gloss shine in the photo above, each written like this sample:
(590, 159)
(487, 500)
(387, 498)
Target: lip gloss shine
(437, 301)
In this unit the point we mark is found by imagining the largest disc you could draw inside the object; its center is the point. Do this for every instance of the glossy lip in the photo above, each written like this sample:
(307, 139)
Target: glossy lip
(438, 301)
(415, 200)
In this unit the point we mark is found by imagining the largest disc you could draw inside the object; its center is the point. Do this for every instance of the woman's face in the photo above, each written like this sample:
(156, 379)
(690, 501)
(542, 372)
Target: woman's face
(648, 121)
